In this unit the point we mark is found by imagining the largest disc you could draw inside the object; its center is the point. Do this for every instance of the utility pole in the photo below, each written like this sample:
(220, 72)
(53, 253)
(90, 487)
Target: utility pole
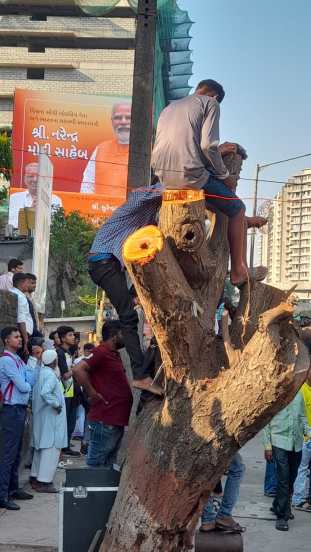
(253, 236)
(142, 103)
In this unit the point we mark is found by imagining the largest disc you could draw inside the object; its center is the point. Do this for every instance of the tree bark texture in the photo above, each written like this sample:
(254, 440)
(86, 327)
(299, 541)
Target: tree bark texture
(179, 447)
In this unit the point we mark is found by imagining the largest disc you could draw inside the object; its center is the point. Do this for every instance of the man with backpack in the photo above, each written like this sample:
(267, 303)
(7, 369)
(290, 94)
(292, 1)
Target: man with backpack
(15, 386)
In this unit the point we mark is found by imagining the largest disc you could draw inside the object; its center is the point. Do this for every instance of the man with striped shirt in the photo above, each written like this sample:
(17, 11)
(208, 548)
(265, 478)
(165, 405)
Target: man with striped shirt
(106, 269)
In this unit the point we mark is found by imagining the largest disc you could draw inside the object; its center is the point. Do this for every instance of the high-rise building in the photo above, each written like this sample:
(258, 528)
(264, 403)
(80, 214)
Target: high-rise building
(71, 54)
(61, 46)
(286, 245)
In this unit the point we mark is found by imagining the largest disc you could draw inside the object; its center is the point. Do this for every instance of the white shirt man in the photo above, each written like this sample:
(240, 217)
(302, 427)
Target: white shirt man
(28, 197)
(24, 318)
(20, 200)
(23, 312)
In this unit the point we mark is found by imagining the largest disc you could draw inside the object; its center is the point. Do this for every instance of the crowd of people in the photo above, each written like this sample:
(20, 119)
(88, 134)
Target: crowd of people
(57, 382)
(53, 383)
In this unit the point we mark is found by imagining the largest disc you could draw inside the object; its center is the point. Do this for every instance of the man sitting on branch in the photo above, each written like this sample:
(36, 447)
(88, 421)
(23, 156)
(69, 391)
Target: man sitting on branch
(187, 155)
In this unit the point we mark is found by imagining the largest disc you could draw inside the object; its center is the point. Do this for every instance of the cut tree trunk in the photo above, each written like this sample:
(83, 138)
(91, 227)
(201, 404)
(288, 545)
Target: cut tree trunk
(180, 447)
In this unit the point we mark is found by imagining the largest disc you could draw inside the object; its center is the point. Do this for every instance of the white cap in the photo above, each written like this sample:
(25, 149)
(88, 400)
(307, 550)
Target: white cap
(49, 357)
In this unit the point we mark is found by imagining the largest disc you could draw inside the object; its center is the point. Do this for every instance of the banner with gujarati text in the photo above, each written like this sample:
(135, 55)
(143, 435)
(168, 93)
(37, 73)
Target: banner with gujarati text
(87, 141)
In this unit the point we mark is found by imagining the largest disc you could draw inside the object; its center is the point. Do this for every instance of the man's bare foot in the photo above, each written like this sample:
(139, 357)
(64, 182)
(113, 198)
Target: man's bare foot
(208, 526)
(258, 273)
(256, 222)
(147, 384)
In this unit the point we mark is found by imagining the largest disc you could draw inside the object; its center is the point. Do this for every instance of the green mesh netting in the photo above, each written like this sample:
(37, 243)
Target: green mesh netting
(96, 7)
(102, 7)
(174, 27)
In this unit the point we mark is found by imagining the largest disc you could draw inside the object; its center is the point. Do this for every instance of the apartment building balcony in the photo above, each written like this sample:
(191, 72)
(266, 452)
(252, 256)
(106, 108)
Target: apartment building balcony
(18, 64)
(91, 26)
(58, 7)
(62, 39)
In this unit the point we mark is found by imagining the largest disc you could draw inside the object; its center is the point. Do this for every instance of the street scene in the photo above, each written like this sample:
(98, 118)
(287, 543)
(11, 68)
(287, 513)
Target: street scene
(155, 276)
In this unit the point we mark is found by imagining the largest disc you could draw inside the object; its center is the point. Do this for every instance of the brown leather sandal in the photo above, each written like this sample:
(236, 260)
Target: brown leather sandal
(234, 527)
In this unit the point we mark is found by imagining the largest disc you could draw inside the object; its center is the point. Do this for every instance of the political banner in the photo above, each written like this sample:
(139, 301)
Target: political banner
(86, 139)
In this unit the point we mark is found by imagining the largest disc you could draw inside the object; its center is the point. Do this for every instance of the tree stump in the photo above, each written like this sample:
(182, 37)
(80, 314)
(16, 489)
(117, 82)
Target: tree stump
(180, 447)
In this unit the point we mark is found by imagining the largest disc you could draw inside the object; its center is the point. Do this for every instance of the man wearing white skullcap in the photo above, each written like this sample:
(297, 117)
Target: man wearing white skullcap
(49, 433)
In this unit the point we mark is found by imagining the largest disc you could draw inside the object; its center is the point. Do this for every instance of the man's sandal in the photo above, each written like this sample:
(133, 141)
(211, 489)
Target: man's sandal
(303, 507)
(234, 527)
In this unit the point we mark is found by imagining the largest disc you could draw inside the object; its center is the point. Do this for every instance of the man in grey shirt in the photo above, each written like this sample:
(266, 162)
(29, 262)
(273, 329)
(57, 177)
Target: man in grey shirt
(186, 154)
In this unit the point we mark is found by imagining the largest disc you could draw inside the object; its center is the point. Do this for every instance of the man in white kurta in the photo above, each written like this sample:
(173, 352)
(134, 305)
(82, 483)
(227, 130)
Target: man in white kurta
(28, 197)
(49, 425)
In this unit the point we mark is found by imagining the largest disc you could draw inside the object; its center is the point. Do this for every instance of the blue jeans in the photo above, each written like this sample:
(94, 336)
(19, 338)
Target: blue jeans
(104, 444)
(231, 492)
(222, 197)
(300, 486)
(270, 478)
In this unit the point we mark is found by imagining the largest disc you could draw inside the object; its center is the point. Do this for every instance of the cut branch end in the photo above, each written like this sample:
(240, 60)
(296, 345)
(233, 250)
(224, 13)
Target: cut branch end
(142, 246)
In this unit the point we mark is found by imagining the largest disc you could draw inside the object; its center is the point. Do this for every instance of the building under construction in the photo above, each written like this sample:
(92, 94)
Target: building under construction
(69, 46)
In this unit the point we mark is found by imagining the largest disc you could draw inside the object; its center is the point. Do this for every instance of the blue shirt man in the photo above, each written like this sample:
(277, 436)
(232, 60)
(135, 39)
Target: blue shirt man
(15, 384)
(16, 379)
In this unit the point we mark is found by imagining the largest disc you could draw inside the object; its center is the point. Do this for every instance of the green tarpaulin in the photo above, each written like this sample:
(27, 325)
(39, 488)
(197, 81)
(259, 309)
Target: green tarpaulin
(173, 65)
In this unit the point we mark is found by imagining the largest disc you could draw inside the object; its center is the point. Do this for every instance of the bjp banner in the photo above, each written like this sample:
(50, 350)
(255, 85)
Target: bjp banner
(87, 141)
